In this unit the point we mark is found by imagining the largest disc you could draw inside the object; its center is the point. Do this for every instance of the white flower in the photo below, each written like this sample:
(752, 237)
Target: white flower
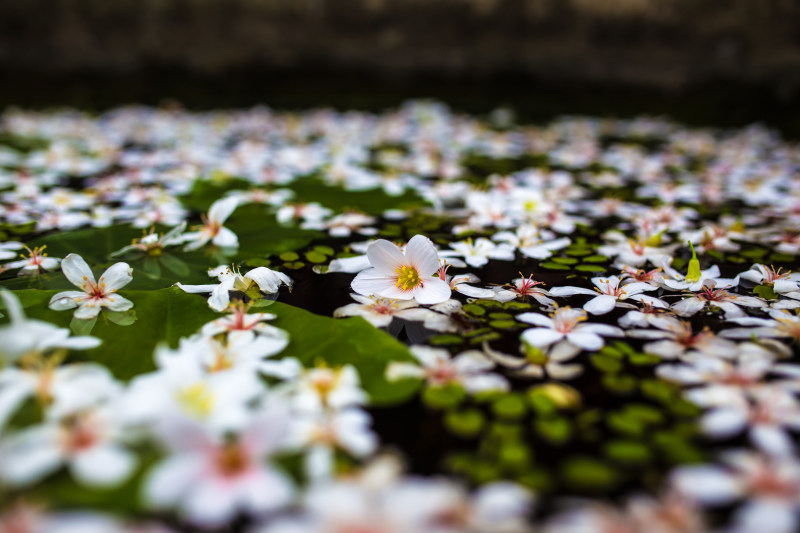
(461, 283)
(193, 382)
(469, 369)
(695, 279)
(406, 505)
(381, 311)
(28, 337)
(532, 242)
(36, 261)
(477, 253)
(784, 283)
(783, 324)
(674, 337)
(612, 294)
(711, 297)
(153, 244)
(633, 252)
(239, 323)
(267, 281)
(321, 388)
(565, 323)
(61, 390)
(210, 478)
(93, 296)
(322, 433)
(769, 485)
(213, 229)
(768, 415)
(403, 276)
(523, 288)
(88, 442)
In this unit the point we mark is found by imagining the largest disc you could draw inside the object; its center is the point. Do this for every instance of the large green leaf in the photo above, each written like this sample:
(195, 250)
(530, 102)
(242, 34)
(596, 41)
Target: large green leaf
(166, 315)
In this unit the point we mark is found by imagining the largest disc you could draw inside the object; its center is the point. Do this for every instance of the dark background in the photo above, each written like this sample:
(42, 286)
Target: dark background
(722, 62)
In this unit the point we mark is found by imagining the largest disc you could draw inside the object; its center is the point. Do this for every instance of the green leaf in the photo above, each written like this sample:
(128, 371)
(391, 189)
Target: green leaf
(766, 292)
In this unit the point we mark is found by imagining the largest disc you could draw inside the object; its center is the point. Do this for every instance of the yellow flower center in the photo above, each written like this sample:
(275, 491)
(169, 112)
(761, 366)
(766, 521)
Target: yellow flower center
(407, 278)
(197, 399)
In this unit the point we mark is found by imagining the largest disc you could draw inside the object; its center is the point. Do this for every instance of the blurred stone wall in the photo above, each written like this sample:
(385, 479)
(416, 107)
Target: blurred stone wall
(666, 43)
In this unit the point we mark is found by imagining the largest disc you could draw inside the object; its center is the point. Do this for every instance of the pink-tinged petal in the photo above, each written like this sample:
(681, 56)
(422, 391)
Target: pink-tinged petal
(708, 485)
(210, 503)
(471, 362)
(537, 319)
(485, 382)
(475, 292)
(772, 439)
(34, 457)
(225, 238)
(374, 282)
(385, 257)
(723, 423)
(222, 209)
(422, 254)
(688, 306)
(267, 491)
(600, 305)
(63, 301)
(570, 291)
(77, 271)
(600, 329)
(103, 466)
(587, 341)
(637, 287)
(541, 337)
(665, 349)
(766, 514)
(650, 300)
(432, 291)
(168, 481)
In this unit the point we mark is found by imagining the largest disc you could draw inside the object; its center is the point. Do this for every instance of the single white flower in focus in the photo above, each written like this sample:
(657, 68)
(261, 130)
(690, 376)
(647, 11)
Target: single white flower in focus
(267, 281)
(94, 295)
(213, 229)
(403, 276)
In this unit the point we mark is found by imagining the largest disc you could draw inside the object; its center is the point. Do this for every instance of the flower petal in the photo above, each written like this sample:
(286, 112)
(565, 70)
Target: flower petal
(115, 277)
(385, 256)
(76, 270)
(422, 254)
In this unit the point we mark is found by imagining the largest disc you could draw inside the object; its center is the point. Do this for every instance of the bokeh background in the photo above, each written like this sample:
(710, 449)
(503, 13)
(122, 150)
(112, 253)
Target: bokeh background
(722, 62)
